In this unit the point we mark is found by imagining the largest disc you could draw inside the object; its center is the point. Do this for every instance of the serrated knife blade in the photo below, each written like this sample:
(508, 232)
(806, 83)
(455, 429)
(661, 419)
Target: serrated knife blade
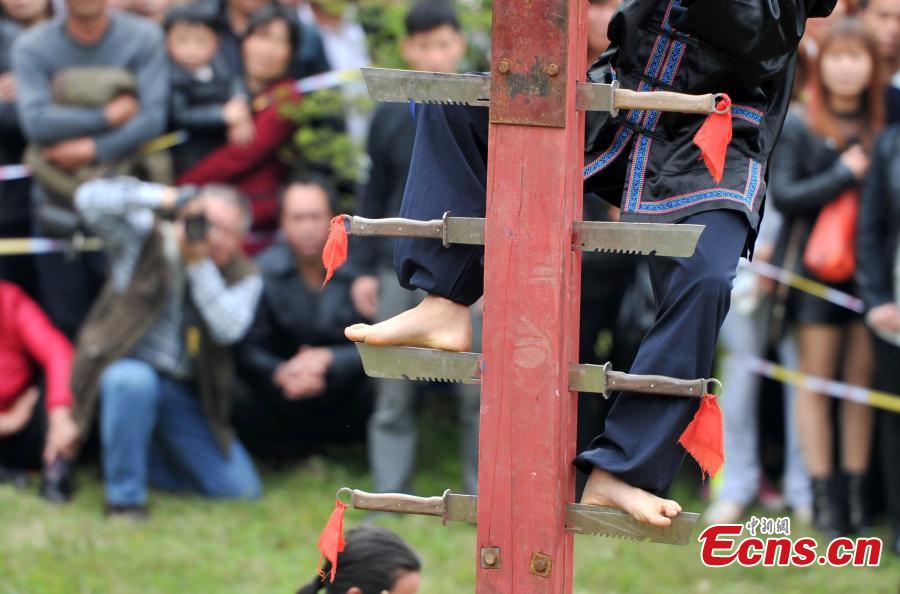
(604, 521)
(420, 364)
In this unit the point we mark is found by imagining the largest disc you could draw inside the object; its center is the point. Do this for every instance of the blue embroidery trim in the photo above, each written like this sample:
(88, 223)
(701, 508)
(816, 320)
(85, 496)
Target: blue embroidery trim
(639, 160)
(748, 114)
(677, 202)
(624, 134)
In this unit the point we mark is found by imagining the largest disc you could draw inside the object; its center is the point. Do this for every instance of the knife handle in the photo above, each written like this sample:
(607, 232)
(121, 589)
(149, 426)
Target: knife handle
(654, 384)
(396, 227)
(398, 503)
(665, 101)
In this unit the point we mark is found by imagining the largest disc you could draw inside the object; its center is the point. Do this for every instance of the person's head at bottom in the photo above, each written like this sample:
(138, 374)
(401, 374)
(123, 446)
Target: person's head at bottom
(374, 561)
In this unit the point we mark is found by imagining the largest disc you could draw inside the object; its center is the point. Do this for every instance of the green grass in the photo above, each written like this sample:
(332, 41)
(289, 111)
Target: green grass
(195, 546)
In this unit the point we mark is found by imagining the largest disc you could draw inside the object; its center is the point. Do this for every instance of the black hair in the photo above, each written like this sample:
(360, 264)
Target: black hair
(309, 179)
(197, 13)
(428, 15)
(373, 559)
(271, 13)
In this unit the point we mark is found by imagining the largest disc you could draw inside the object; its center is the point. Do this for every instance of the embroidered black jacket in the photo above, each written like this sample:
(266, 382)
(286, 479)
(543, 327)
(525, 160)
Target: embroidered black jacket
(745, 48)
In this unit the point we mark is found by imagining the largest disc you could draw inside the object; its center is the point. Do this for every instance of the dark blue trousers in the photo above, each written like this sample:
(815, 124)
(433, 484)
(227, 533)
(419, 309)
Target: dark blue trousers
(640, 440)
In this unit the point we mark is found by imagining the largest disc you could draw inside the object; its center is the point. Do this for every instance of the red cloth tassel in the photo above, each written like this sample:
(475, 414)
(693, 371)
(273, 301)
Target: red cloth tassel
(713, 138)
(335, 252)
(703, 438)
(331, 541)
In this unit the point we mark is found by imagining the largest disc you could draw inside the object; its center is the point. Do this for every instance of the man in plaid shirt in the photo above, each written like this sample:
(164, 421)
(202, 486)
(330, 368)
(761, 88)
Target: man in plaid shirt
(155, 350)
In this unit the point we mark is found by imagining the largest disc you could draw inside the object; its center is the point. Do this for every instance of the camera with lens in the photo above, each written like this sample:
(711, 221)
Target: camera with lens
(196, 228)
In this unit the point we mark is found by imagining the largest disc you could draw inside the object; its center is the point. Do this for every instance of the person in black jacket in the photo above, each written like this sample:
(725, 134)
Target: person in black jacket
(882, 17)
(15, 210)
(878, 280)
(821, 155)
(15, 185)
(301, 382)
(645, 162)
(208, 100)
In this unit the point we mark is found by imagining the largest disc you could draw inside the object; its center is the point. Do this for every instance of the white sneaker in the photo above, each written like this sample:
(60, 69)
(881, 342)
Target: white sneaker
(723, 511)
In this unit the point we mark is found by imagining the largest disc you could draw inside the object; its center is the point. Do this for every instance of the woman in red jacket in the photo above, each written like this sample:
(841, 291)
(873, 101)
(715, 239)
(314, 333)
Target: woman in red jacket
(33, 435)
(267, 48)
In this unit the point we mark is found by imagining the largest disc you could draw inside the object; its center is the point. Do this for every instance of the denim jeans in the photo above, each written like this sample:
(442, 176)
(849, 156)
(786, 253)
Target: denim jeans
(153, 428)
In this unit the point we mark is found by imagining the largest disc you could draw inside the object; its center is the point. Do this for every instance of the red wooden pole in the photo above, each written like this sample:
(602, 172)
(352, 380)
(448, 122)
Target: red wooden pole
(531, 296)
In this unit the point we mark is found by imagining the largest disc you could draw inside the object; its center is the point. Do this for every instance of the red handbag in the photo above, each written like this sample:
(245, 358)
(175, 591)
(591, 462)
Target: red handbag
(830, 253)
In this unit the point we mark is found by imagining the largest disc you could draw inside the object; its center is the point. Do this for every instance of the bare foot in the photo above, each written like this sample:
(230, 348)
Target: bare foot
(436, 323)
(605, 489)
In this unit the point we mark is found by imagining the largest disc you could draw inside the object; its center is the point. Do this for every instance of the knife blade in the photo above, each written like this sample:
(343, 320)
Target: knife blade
(651, 239)
(605, 521)
(580, 518)
(414, 363)
(391, 85)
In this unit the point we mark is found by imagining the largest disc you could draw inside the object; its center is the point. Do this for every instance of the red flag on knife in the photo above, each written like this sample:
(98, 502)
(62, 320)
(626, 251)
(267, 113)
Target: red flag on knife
(331, 541)
(335, 252)
(714, 136)
(703, 438)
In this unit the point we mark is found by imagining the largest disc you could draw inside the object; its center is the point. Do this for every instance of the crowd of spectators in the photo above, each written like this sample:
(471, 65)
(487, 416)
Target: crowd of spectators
(200, 338)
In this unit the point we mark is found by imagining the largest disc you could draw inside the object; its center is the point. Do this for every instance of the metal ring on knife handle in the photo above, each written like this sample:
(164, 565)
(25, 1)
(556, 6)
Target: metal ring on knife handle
(716, 98)
(655, 384)
(344, 491)
(664, 101)
(713, 380)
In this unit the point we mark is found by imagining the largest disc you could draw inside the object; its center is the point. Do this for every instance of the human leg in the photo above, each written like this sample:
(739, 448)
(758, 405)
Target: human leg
(184, 434)
(796, 487)
(129, 402)
(640, 443)
(887, 378)
(469, 416)
(741, 473)
(857, 427)
(448, 173)
(24, 450)
(818, 346)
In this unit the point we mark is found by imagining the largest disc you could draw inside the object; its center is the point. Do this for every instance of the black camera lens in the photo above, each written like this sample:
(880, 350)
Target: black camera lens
(195, 228)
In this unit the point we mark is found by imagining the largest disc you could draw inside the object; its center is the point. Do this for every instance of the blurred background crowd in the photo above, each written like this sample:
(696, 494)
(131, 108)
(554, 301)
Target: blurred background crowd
(199, 343)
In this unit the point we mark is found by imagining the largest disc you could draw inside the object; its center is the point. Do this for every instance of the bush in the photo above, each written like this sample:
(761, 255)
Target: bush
(321, 144)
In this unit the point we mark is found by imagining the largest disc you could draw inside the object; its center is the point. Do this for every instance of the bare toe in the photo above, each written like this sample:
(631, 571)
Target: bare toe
(357, 332)
(671, 508)
(659, 520)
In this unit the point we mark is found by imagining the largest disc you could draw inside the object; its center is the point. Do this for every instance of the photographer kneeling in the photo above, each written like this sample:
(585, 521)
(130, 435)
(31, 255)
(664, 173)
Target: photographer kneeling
(155, 350)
